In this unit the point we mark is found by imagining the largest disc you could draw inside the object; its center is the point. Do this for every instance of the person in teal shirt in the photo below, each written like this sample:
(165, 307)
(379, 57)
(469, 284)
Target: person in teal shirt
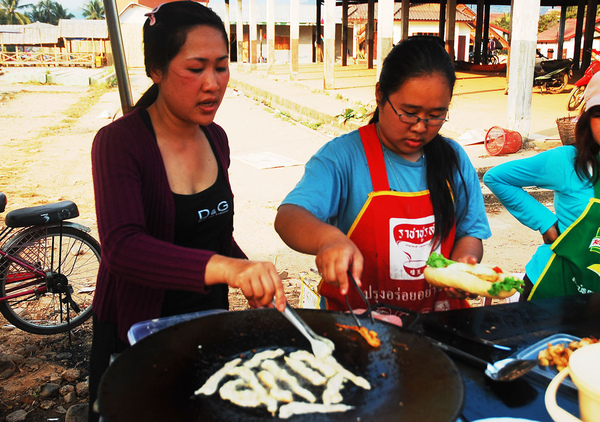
(571, 172)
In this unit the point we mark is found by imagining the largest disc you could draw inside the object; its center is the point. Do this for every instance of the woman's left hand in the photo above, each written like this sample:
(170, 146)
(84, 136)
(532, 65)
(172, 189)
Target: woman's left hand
(465, 246)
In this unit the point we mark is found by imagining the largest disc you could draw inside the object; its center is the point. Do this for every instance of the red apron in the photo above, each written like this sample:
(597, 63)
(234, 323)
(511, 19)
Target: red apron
(394, 232)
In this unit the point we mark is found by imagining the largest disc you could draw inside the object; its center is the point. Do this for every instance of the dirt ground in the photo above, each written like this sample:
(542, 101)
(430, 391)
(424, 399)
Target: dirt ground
(45, 146)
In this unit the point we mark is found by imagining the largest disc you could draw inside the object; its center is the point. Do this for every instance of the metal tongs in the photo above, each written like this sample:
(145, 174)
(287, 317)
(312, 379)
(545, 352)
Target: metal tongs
(369, 311)
(321, 346)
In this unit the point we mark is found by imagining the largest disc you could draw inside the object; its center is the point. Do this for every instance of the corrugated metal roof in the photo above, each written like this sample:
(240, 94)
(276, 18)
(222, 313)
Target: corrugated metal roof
(83, 28)
(32, 34)
(417, 12)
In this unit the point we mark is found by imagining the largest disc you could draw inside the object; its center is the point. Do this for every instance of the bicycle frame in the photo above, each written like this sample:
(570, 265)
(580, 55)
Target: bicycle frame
(16, 278)
(30, 272)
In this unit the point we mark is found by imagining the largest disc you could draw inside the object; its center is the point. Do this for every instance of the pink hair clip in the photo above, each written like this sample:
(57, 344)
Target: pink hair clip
(151, 16)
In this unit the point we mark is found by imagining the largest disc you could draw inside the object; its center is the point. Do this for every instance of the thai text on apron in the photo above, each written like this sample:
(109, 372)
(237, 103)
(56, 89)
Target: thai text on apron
(394, 232)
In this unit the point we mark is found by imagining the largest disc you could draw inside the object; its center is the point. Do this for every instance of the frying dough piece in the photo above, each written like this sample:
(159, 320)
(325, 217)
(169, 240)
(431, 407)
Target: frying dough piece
(259, 357)
(235, 392)
(268, 379)
(321, 366)
(252, 382)
(300, 408)
(332, 391)
(358, 380)
(283, 375)
(212, 383)
(303, 370)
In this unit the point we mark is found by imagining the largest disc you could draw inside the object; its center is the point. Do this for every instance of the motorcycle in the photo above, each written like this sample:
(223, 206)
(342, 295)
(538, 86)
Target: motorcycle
(576, 97)
(552, 75)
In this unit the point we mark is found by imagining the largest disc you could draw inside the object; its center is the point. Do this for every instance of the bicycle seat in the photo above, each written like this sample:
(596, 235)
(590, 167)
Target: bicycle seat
(2, 202)
(42, 214)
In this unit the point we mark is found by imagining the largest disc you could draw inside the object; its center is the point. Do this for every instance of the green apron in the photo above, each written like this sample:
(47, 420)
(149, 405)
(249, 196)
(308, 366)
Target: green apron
(574, 267)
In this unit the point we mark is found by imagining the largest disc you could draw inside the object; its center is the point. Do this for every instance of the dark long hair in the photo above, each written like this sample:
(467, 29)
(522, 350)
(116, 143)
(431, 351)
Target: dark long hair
(165, 32)
(587, 148)
(424, 56)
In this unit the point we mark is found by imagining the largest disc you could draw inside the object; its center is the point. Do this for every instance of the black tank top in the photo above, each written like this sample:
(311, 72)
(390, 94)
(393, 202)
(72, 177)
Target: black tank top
(201, 221)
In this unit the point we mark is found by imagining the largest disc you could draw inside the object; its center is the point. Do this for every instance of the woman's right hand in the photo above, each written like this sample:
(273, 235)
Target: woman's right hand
(335, 258)
(258, 280)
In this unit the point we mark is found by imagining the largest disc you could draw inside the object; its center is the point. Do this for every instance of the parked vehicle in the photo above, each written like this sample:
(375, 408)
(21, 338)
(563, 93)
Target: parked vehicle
(576, 97)
(552, 75)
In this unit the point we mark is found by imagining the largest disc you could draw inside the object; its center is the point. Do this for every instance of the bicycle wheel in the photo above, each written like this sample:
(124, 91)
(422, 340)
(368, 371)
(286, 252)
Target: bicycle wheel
(43, 248)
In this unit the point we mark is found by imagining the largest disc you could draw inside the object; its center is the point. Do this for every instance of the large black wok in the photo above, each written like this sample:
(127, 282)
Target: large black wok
(154, 380)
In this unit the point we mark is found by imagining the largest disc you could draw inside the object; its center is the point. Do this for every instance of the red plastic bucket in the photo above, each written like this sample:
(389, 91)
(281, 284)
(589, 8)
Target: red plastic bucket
(502, 141)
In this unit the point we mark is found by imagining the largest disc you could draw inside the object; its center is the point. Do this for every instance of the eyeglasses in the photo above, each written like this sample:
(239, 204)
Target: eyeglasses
(411, 119)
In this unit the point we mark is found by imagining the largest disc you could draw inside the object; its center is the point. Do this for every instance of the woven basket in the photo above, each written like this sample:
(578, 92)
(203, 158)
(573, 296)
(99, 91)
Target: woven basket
(566, 130)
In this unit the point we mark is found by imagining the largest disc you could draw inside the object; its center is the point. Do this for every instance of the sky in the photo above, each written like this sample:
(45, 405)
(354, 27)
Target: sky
(73, 6)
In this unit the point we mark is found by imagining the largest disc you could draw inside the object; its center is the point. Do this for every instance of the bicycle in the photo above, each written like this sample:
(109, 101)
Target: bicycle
(48, 268)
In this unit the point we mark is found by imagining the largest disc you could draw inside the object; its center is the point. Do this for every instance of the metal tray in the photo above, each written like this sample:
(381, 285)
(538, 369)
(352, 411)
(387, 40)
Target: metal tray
(548, 371)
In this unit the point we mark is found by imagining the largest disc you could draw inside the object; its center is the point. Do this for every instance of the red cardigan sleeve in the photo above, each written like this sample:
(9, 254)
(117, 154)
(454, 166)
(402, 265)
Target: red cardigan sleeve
(135, 210)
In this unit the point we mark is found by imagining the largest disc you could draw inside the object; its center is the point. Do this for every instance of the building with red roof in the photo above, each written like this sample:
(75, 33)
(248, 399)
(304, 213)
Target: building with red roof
(547, 41)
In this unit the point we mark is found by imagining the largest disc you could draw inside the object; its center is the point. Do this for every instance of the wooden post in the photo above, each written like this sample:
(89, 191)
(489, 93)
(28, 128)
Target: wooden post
(451, 28)
(405, 11)
(239, 31)
(370, 32)
(252, 31)
(344, 32)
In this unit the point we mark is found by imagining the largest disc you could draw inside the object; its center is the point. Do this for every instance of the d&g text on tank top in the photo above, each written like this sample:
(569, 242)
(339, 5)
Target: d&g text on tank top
(205, 214)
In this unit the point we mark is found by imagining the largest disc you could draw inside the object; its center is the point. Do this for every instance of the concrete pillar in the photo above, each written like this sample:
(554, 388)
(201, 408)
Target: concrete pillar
(271, 36)
(252, 23)
(329, 45)
(294, 37)
(385, 31)
(226, 20)
(524, 16)
(239, 33)
(405, 13)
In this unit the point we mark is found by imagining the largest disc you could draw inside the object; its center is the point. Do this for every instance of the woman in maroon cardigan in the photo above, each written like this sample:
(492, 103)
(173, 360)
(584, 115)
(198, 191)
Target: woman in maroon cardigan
(163, 200)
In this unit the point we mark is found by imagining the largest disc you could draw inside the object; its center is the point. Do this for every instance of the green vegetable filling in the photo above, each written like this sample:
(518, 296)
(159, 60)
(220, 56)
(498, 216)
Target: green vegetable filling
(437, 260)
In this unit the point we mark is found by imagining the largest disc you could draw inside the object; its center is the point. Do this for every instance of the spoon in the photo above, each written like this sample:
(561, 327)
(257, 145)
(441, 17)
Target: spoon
(503, 370)
(321, 346)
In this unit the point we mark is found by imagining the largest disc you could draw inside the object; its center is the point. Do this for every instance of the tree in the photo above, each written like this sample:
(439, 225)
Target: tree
(94, 9)
(49, 11)
(10, 14)
(548, 19)
(503, 22)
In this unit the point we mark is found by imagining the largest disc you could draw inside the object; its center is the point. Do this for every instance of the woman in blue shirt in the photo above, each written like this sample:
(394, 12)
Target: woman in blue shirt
(566, 263)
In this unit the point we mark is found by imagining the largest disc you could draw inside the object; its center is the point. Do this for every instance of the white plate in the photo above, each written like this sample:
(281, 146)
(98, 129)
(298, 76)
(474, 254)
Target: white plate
(548, 371)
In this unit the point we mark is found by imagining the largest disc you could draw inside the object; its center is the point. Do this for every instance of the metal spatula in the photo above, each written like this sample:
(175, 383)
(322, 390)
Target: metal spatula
(321, 346)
